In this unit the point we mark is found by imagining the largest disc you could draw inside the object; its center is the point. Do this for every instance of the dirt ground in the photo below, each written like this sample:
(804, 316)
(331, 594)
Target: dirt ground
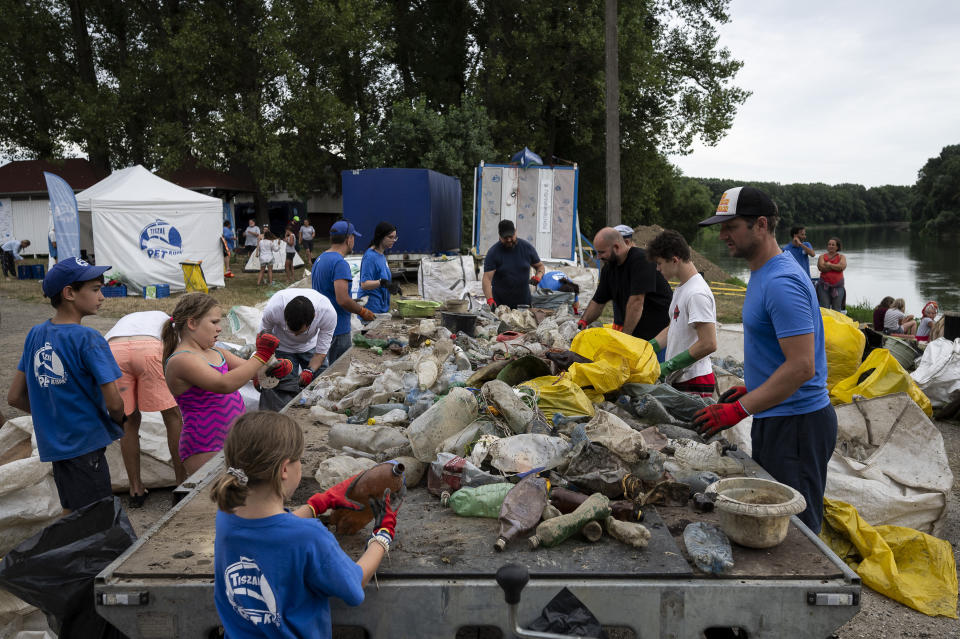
(879, 617)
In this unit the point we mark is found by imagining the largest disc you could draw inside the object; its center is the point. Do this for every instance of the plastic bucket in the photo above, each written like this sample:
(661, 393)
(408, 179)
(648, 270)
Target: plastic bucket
(459, 322)
(756, 512)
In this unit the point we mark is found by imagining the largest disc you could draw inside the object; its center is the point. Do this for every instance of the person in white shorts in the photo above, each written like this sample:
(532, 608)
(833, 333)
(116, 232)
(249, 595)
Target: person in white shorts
(691, 335)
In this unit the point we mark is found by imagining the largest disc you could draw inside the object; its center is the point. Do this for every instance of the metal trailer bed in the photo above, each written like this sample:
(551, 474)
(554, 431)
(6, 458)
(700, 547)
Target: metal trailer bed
(440, 575)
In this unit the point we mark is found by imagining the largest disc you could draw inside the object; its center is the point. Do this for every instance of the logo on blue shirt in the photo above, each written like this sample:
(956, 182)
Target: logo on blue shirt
(160, 240)
(249, 593)
(47, 367)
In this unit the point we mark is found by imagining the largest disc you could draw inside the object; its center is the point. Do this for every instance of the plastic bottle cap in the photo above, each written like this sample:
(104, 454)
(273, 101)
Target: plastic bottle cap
(371, 421)
(500, 543)
(426, 343)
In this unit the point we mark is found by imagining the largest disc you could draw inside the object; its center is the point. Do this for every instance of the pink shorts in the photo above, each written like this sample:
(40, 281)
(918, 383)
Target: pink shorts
(142, 384)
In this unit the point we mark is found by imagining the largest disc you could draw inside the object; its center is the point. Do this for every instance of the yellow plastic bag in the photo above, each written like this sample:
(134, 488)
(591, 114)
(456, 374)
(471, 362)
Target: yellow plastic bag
(607, 373)
(608, 345)
(886, 377)
(909, 566)
(560, 395)
(844, 343)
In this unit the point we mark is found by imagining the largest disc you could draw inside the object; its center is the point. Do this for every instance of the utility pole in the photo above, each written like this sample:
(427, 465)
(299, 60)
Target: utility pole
(612, 71)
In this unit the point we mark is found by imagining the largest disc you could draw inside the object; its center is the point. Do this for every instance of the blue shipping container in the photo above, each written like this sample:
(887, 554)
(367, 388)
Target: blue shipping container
(424, 205)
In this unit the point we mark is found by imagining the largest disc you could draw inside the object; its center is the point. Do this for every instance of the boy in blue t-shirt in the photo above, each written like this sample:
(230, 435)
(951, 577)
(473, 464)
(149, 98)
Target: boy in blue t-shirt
(66, 379)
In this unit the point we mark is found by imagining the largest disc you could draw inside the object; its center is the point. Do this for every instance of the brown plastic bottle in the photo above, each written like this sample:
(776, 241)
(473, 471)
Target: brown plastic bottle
(370, 484)
(521, 509)
(566, 501)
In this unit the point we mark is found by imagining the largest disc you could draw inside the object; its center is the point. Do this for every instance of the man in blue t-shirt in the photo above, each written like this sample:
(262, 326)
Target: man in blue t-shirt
(785, 364)
(66, 379)
(331, 275)
(799, 248)
(506, 269)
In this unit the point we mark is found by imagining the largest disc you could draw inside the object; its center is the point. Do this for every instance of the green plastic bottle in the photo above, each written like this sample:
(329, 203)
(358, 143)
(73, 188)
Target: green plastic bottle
(369, 342)
(480, 501)
(554, 531)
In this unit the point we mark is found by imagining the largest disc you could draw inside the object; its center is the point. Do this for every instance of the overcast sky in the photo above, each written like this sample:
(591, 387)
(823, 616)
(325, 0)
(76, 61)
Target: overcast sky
(845, 91)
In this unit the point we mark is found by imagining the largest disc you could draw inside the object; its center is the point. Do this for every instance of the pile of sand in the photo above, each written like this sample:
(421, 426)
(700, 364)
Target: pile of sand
(711, 272)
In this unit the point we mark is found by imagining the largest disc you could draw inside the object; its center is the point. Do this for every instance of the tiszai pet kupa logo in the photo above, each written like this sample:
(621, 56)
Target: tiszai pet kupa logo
(47, 367)
(160, 240)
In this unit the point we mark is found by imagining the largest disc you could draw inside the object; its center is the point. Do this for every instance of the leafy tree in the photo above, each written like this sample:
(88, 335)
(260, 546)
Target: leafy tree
(937, 191)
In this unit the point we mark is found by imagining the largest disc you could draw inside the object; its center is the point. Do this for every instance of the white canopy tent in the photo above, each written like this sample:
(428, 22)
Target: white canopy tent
(144, 226)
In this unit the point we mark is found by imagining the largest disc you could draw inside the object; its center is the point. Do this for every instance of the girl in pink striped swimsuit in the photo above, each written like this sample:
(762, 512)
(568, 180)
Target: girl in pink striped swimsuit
(205, 380)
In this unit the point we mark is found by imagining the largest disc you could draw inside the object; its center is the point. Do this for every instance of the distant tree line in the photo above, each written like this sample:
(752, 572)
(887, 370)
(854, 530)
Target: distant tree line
(290, 92)
(807, 204)
(936, 204)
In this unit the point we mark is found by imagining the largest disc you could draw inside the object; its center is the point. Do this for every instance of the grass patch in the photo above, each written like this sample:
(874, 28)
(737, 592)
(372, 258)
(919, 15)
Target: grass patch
(735, 281)
(241, 290)
(862, 311)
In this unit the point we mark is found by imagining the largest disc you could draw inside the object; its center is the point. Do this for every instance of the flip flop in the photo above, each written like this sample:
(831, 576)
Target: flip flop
(136, 501)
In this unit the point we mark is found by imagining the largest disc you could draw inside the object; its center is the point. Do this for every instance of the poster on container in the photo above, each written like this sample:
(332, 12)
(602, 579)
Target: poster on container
(6, 219)
(541, 201)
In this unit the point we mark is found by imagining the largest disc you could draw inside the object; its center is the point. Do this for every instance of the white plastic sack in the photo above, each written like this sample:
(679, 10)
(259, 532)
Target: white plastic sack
(279, 261)
(445, 278)
(615, 435)
(938, 373)
(156, 468)
(28, 495)
(20, 620)
(890, 464)
(244, 322)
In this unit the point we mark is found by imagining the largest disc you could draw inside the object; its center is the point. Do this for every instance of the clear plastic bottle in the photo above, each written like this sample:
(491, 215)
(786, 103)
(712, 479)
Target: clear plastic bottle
(482, 501)
(708, 547)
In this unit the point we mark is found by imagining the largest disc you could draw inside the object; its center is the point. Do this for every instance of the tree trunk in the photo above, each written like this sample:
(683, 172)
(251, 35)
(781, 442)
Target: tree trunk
(96, 143)
(612, 71)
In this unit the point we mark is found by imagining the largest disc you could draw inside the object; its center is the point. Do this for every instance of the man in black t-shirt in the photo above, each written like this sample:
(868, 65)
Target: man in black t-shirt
(641, 296)
(506, 269)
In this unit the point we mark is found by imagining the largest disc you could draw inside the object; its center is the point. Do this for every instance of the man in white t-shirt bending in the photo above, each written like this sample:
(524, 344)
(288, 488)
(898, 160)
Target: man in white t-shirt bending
(691, 335)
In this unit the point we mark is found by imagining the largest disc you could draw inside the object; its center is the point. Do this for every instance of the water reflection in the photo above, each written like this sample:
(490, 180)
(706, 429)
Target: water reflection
(881, 261)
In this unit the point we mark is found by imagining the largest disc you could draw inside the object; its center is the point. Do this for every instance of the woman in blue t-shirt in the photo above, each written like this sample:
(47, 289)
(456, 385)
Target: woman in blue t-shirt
(376, 282)
(282, 588)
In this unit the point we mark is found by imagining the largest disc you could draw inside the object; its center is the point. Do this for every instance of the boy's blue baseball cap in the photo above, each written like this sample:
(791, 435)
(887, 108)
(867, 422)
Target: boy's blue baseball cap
(68, 271)
(343, 227)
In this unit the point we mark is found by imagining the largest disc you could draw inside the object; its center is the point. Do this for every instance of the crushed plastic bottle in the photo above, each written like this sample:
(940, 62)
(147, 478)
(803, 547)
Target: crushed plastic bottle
(360, 339)
(395, 416)
(555, 531)
(448, 416)
(482, 501)
(450, 473)
(630, 533)
(708, 547)
(371, 484)
(521, 509)
(705, 457)
(375, 410)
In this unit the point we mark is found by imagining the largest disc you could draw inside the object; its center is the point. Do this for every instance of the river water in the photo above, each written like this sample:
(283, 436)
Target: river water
(881, 261)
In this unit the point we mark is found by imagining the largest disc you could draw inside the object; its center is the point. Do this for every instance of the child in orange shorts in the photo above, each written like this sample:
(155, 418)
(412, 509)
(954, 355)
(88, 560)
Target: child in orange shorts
(135, 343)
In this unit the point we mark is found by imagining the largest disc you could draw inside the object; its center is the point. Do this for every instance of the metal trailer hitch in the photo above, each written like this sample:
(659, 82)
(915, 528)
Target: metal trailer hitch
(513, 578)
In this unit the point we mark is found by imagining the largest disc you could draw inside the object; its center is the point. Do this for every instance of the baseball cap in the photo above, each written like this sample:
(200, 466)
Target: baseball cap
(68, 271)
(296, 218)
(742, 201)
(623, 230)
(343, 227)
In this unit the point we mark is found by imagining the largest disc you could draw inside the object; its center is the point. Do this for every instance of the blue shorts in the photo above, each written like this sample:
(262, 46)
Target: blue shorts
(82, 480)
(795, 450)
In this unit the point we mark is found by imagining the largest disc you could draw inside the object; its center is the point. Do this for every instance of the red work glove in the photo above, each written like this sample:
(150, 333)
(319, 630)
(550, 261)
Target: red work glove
(385, 513)
(582, 325)
(535, 280)
(732, 394)
(713, 419)
(266, 346)
(306, 376)
(335, 497)
(281, 369)
(366, 314)
(617, 327)
(491, 304)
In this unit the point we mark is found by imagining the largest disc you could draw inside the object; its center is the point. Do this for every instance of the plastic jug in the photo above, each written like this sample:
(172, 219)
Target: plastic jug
(369, 484)
(445, 418)
(482, 501)
(521, 509)
(555, 531)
